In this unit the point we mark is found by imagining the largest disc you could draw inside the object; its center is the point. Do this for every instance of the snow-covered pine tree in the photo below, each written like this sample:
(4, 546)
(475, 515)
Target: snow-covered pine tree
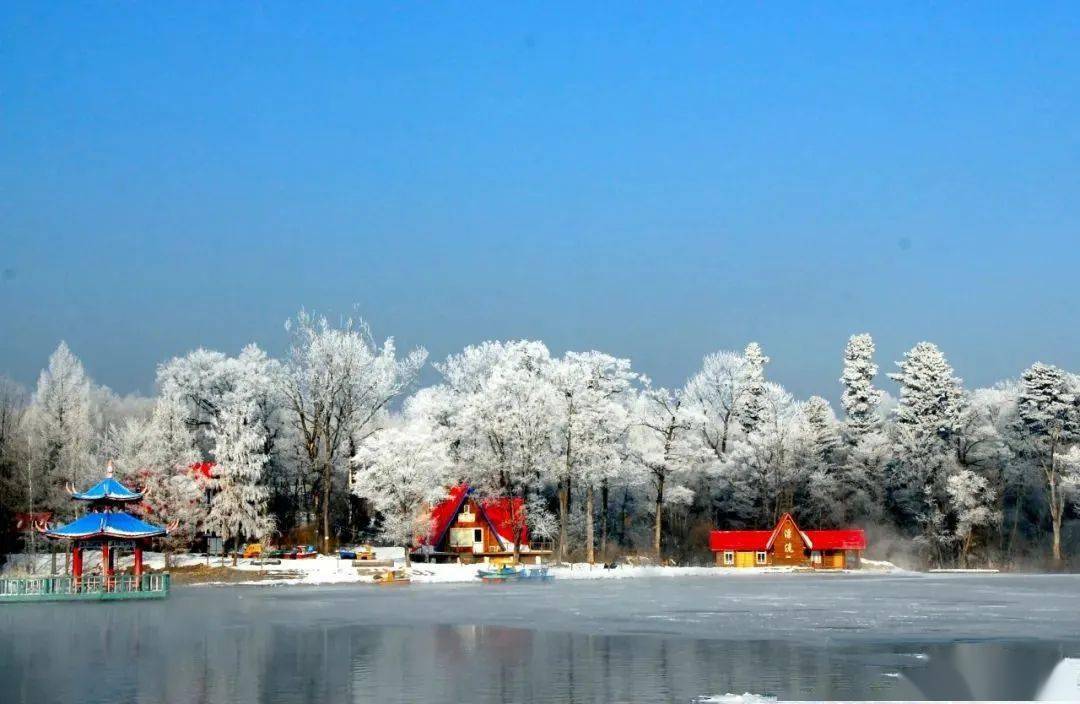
(753, 400)
(860, 399)
(59, 431)
(927, 417)
(821, 451)
(1049, 423)
(931, 398)
(823, 436)
(238, 507)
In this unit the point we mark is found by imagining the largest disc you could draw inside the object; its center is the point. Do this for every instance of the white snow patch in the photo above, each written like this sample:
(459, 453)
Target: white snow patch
(1063, 683)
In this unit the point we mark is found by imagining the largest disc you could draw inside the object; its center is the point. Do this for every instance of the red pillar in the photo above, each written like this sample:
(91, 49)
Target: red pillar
(138, 566)
(76, 565)
(106, 565)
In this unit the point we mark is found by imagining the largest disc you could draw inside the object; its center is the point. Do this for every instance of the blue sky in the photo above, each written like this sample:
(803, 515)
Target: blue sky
(657, 181)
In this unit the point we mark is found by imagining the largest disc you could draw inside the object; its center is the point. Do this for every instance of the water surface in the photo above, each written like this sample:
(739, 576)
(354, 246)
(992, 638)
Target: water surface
(654, 640)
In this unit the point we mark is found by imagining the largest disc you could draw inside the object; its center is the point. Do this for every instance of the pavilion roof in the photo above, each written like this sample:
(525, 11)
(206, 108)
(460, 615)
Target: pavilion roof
(108, 489)
(116, 524)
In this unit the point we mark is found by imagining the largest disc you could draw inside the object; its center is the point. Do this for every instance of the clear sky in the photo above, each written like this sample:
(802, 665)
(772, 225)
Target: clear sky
(654, 180)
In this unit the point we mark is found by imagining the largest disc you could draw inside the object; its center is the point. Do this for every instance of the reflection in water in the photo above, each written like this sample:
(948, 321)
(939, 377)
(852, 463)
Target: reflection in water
(205, 648)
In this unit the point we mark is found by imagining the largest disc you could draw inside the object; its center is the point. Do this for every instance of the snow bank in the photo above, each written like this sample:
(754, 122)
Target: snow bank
(332, 570)
(737, 699)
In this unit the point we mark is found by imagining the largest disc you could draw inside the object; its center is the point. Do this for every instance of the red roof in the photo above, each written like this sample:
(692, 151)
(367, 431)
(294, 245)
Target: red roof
(738, 539)
(501, 514)
(498, 512)
(854, 539)
(851, 539)
(444, 513)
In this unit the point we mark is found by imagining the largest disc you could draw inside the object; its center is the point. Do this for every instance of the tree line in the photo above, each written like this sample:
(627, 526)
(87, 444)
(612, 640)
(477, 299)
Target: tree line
(336, 442)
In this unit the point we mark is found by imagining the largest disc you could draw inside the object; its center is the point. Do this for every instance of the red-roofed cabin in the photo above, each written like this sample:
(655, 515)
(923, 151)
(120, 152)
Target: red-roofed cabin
(465, 528)
(788, 545)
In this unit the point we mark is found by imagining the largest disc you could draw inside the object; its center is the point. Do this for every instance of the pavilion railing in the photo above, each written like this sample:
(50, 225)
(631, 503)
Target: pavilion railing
(122, 586)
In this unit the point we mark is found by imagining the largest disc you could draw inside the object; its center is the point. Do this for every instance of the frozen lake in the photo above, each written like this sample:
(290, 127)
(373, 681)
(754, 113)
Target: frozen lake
(654, 640)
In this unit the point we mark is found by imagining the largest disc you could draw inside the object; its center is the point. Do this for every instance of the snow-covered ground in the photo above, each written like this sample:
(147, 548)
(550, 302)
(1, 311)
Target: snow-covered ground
(331, 570)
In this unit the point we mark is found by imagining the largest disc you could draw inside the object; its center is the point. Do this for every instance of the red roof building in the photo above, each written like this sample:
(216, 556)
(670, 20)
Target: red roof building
(787, 544)
(466, 528)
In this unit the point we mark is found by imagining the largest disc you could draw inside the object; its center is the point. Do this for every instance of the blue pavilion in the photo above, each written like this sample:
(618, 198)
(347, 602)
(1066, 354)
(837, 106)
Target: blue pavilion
(107, 525)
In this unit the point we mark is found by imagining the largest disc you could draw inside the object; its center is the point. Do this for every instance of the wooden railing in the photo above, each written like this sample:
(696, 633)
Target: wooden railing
(87, 587)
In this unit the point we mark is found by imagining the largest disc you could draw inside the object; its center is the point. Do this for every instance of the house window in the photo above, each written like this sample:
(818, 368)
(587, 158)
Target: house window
(815, 557)
(478, 535)
(729, 557)
(760, 557)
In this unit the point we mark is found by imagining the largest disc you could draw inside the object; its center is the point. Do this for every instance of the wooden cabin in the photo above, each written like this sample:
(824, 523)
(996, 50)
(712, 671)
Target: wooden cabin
(788, 545)
(466, 528)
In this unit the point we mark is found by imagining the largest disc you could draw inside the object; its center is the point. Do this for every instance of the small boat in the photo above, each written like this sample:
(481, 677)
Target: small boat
(500, 574)
(535, 574)
(392, 577)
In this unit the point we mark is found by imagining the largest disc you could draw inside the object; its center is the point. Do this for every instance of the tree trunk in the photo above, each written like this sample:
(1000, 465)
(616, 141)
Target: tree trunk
(659, 516)
(589, 555)
(326, 509)
(603, 520)
(1057, 538)
(564, 514)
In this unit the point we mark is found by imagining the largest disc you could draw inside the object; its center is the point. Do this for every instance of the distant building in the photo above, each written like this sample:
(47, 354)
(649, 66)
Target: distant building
(788, 545)
(465, 528)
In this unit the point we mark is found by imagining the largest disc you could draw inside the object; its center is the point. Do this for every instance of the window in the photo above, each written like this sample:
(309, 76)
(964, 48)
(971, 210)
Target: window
(729, 557)
(815, 557)
(478, 535)
(761, 558)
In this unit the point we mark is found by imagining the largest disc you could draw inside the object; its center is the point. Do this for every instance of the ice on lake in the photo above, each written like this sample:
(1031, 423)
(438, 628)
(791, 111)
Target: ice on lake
(789, 636)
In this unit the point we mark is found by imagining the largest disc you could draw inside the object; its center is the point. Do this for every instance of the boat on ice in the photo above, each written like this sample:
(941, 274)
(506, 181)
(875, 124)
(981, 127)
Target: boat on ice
(392, 577)
(506, 573)
(536, 574)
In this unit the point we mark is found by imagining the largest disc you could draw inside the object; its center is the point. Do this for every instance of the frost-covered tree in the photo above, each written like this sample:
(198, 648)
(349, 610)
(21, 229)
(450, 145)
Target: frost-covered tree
(819, 490)
(59, 432)
(402, 471)
(664, 441)
(162, 464)
(715, 395)
(973, 503)
(762, 473)
(752, 402)
(591, 424)
(238, 507)
(338, 384)
(204, 381)
(860, 399)
(1049, 422)
(927, 420)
